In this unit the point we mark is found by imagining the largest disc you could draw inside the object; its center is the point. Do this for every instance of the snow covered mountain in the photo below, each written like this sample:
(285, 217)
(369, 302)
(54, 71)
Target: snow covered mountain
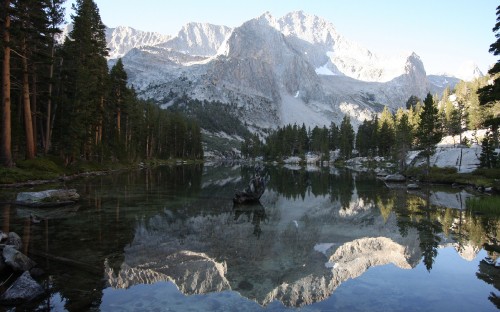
(121, 39)
(295, 69)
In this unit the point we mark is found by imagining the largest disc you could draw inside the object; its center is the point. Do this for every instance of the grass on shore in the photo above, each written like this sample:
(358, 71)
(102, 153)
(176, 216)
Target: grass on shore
(489, 205)
(51, 167)
(479, 178)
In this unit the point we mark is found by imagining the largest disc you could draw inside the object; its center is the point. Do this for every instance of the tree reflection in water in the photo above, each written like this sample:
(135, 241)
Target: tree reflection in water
(254, 213)
(270, 245)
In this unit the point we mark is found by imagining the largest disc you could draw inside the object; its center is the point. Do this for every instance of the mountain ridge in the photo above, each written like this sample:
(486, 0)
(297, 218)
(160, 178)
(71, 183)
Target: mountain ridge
(293, 69)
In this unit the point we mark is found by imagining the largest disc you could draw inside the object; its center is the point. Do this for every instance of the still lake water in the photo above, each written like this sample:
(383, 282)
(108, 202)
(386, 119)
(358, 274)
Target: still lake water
(170, 239)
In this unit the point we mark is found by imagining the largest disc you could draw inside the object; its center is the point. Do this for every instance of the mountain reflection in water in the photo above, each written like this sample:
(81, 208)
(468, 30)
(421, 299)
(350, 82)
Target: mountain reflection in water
(311, 232)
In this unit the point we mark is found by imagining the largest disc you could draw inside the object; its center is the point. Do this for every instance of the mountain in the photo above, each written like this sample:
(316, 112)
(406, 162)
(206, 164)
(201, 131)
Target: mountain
(120, 40)
(198, 39)
(271, 72)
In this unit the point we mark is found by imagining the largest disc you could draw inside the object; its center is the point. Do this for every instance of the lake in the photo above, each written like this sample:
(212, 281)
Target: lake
(321, 239)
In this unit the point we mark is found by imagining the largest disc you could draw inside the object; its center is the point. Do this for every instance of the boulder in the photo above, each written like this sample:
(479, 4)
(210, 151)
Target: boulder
(48, 198)
(17, 260)
(24, 289)
(14, 240)
(395, 178)
(413, 186)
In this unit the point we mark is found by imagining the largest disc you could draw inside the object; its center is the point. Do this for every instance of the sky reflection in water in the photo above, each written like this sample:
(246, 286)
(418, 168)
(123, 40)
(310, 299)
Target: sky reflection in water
(386, 250)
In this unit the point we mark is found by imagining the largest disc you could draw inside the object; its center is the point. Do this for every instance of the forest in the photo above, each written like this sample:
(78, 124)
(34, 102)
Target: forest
(420, 125)
(59, 97)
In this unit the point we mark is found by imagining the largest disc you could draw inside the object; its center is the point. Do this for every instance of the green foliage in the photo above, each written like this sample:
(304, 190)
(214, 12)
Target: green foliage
(447, 175)
(403, 139)
(489, 158)
(412, 102)
(42, 164)
(212, 116)
(367, 138)
(489, 205)
(491, 92)
(252, 147)
(346, 143)
(44, 168)
(429, 128)
(89, 116)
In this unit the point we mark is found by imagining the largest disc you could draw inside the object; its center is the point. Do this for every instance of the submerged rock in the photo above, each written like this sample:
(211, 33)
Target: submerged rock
(14, 240)
(395, 178)
(24, 289)
(413, 186)
(17, 260)
(48, 198)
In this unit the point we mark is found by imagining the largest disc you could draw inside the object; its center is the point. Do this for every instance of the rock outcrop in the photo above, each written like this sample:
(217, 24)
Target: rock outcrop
(24, 289)
(48, 198)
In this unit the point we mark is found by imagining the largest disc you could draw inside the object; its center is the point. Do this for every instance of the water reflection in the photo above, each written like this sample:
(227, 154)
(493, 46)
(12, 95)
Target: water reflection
(311, 232)
(253, 212)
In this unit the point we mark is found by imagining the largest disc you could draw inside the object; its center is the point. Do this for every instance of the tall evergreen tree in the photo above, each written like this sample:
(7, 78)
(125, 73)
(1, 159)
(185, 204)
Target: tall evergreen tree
(403, 140)
(333, 136)
(429, 128)
(56, 17)
(385, 132)
(488, 157)
(491, 92)
(31, 21)
(367, 138)
(119, 93)
(346, 138)
(6, 139)
(85, 75)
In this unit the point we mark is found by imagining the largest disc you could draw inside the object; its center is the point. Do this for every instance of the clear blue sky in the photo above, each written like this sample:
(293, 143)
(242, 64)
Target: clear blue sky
(444, 33)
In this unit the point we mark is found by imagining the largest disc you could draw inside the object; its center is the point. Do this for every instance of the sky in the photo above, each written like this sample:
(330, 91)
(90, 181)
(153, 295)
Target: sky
(446, 34)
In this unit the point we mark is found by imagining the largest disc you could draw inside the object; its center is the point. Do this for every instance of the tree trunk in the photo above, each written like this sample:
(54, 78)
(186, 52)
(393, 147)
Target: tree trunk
(6, 142)
(118, 121)
(28, 124)
(48, 130)
(34, 109)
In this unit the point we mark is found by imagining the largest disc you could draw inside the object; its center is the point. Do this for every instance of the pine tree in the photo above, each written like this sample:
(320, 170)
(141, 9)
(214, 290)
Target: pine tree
(366, 138)
(55, 16)
(403, 140)
(31, 21)
(488, 157)
(346, 138)
(429, 128)
(118, 95)
(490, 94)
(85, 74)
(333, 136)
(385, 132)
(6, 139)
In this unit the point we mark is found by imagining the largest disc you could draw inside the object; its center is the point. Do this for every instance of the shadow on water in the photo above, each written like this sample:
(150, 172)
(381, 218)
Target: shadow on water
(311, 231)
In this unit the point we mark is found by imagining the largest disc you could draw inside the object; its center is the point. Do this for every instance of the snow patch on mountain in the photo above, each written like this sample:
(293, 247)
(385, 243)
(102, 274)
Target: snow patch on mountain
(121, 39)
(294, 69)
(201, 39)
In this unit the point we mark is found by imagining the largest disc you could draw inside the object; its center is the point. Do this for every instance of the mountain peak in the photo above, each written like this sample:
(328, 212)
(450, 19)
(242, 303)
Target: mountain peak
(267, 19)
(310, 28)
(468, 71)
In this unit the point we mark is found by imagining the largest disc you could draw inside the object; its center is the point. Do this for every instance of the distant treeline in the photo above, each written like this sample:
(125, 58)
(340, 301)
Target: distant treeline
(420, 125)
